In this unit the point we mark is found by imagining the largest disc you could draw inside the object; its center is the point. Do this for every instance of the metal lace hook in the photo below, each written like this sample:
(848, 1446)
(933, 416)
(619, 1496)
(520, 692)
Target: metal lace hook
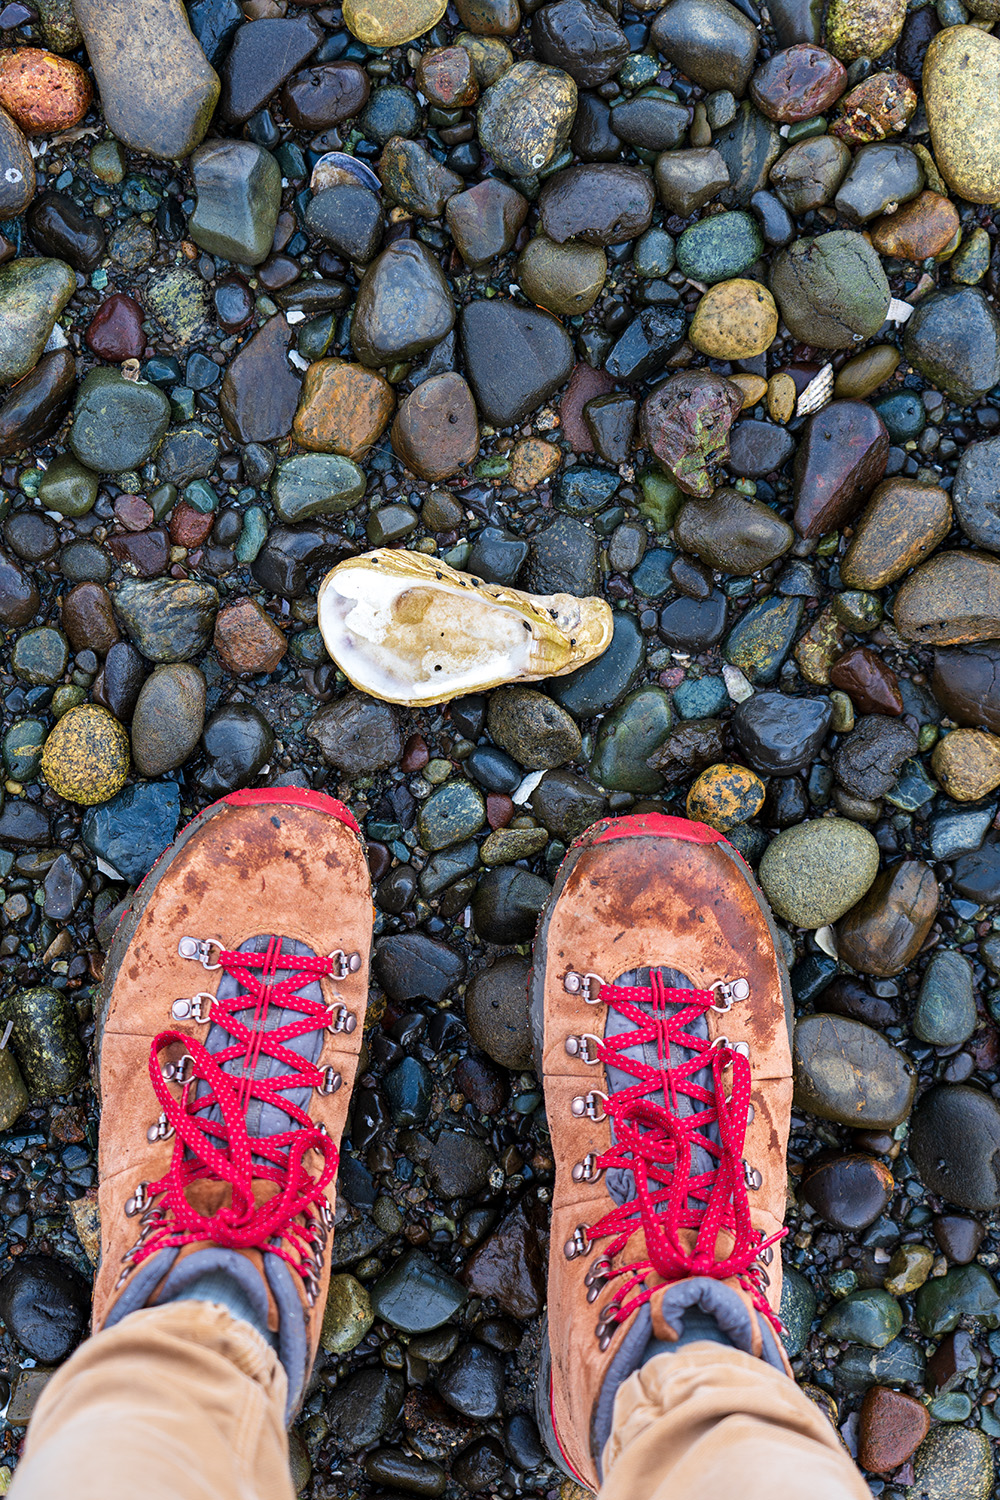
(575, 983)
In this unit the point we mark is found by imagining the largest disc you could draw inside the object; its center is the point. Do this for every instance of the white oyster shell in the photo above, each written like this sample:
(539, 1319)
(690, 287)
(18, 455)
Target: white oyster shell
(408, 629)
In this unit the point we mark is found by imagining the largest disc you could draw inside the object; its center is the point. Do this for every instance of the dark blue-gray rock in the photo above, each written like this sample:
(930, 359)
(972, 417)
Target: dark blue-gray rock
(945, 1012)
(357, 734)
(45, 1306)
(600, 684)
(416, 1295)
(953, 338)
(507, 903)
(562, 559)
(237, 742)
(710, 41)
(167, 619)
(117, 423)
(515, 358)
(975, 493)
(496, 1009)
(955, 1143)
(473, 1381)
(780, 735)
(130, 832)
(364, 1407)
(411, 966)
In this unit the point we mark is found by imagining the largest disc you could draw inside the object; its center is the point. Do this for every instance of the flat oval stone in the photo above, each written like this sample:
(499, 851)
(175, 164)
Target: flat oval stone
(808, 175)
(581, 38)
(758, 448)
(415, 179)
(485, 219)
(263, 54)
(961, 82)
(841, 458)
(390, 23)
(157, 90)
(749, 147)
(953, 338)
(953, 598)
(515, 358)
(344, 408)
(945, 1012)
(601, 203)
(628, 738)
(798, 83)
(315, 484)
(349, 218)
(955, 1142)
(167, 619)
(260, 391)
(846, 1072)
(168, 719)
(711, 42)
(922, 228)
(566, 279)
(850, 1192)
(403, 307)
(526, 116)
(734, 320)
(35, 407)
(902, 523)
(33, 292)
(831, 290)
(886, 930)
(732, 533)
(324, 95)
(816, 871)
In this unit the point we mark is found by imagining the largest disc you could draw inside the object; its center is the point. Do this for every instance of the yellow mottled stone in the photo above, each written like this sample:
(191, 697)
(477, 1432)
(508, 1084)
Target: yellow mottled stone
(734, 320)
(781, 396)
(390, 23)
(962, 99)
(531, 463)
(817, 650)
(863, 28)
(754, 388)
(967, 764)
(725, 795)
(86, 757)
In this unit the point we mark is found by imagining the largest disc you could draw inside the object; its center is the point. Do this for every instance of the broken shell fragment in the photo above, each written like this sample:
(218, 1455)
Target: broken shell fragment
(408, 629)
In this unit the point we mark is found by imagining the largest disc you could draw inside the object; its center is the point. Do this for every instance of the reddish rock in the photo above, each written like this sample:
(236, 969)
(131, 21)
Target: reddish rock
(584, 385)
(316, 98)
(447, 77)
(115, 331)
(891, 1428)
(247, 640)
(42, 92)
(798, 83)
(89, 619)
(840, 460)
(415, 754)
(189, 527)
(499, 810)
(143, 553)
(873, 687)
(436, 431)
(686, 423)
(133, 512)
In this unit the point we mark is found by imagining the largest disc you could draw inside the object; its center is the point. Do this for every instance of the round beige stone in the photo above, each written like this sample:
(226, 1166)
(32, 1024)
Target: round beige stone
(962, 99)
(390, 23)
(734, 320)
(781, 396)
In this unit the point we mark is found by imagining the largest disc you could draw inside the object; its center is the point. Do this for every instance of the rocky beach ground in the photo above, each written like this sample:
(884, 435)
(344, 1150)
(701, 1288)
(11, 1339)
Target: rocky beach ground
(692, 309)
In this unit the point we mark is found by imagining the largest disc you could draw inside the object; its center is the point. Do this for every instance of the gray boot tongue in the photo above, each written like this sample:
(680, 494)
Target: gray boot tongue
(621, 1183)
(265, 1119)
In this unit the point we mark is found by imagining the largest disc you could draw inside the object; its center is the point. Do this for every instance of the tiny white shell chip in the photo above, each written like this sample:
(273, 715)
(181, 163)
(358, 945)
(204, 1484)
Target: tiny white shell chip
(817, 393)
(406, 628)
(899, 311)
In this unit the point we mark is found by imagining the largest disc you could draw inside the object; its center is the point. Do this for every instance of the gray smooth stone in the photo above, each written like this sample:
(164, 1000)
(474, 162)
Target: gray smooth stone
(239, 198)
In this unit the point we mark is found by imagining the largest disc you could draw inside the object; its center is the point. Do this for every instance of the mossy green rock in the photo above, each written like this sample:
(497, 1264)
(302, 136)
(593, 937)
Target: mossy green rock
(68, 487)
(32, 295)
(347, 1316)
(963, 1292)
(798, 1308)
(628, 737)
(831, 290)
(13, 1094)
(316, 484)
(117, 423)
(863, 28)
(813, 872)
(45, 1040)
(40, 656)
(872, 1318)
(720, 247)
(22, 749)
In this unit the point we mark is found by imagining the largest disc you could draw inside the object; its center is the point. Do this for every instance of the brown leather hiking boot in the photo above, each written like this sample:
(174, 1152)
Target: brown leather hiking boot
(230, 1025)
(661, 1016)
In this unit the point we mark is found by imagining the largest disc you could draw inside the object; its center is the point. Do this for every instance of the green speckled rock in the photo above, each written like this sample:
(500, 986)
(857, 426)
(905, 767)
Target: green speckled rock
(45, 1040)
(32, 295)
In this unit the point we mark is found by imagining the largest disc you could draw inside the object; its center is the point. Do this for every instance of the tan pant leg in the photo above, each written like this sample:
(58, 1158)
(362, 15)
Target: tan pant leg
(712, 1423)
(180, 1402)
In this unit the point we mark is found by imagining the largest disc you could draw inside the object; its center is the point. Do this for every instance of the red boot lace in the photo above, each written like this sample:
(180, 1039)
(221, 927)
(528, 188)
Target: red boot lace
(655, 1143)
(223, 1150)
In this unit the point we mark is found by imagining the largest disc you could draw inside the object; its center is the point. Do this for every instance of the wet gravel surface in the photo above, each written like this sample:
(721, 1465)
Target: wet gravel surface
(692, 322)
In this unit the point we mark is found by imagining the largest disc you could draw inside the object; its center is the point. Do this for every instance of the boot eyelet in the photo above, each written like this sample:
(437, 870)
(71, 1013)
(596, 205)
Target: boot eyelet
(346, 963)
(584, 1047)
(752, 1177)
(587, 1170)
(577, 1244)
(138, 1202)
(331, 1081)
(194, 1009)
(587, 1105)
(341, 1019)
(583, 985)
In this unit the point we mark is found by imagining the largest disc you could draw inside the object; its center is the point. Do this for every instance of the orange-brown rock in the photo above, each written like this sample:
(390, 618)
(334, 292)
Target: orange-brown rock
(901, 525)
(879, 106)
(890, 1430)
(919, 229)
(43, 92)
(247, 640)
(531, 463)
(344, 408)
(886, 930)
